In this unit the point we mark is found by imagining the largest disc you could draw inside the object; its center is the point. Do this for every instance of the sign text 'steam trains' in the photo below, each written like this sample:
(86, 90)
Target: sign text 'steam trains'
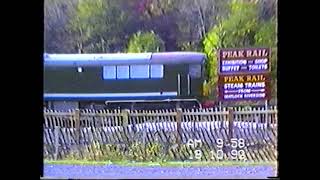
(244, 85)
(245, 53)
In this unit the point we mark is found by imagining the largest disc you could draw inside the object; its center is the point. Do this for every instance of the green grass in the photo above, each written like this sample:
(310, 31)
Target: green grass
(163, 164)
(77, 162)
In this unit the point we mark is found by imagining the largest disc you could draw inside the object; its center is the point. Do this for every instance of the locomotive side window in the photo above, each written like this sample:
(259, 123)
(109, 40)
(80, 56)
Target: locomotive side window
(139, 71)
(122, 72)
(133, 71)
(156, 71)
(109, 72)
(80, 69)
(195, 70)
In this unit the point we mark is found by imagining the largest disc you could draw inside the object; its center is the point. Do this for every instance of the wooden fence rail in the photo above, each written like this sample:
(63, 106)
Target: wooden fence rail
(177, 134)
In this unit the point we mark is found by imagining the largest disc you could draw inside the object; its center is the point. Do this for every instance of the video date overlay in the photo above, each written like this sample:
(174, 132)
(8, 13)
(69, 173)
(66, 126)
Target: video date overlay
(244, 87)
(235, 153)
(244, 60)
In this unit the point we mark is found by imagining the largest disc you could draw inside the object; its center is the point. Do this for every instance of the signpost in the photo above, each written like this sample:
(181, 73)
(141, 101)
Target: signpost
(244, 87)
(239, 61)
(244, 74)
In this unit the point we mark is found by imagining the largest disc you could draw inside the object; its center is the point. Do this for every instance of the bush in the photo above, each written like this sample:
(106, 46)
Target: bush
(145, 42)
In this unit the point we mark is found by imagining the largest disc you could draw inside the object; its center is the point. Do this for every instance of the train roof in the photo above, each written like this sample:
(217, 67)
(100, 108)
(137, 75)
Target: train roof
(123, 59)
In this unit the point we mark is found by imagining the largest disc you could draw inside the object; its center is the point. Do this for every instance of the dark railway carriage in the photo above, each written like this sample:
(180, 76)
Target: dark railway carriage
(137, 80)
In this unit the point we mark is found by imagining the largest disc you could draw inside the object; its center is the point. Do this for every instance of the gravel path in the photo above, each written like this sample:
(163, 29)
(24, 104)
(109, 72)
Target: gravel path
(121, 172)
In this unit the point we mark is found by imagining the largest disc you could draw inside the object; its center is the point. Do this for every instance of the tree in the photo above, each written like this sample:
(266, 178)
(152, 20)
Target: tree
(268, 9)
(242, 28)
(98, 25)
(145, 42)
(160, 16)
(195, 18)
(57, 37)
(237, 30)
(266, 36)
(154, 8)
(211, 43)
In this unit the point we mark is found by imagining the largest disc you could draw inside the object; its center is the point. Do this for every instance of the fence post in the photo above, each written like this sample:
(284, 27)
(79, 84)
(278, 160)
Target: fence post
(179, 130)
(230, 118)
(144, 137)
(266, 110)
(56, 142)
(125, 118)
(77, 123)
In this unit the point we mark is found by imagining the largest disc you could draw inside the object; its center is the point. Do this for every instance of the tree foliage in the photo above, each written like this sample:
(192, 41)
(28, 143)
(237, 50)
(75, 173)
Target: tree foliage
(241, 29)
(266, 36)
(94, 25)
(145, 42)
(241, 25)
(57, 37)
(195, 18)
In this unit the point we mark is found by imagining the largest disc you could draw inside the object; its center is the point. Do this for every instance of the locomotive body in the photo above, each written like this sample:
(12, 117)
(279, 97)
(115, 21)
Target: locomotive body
(131, 80)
